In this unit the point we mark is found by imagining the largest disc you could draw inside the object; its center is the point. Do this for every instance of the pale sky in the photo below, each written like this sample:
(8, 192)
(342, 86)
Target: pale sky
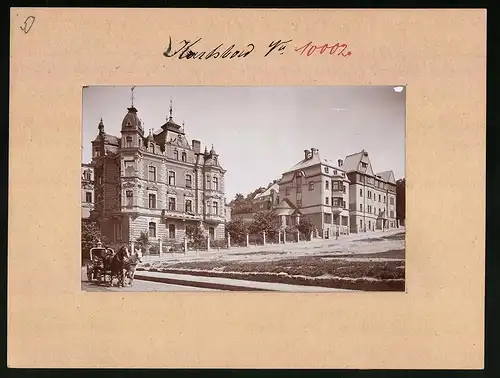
(260, 132)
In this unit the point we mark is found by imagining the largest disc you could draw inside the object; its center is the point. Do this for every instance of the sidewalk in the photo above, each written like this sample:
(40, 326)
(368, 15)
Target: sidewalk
(315, 246)
(228, 283)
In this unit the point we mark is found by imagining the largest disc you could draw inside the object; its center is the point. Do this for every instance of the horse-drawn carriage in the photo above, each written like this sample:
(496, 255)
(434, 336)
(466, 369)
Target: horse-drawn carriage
(104, 263)
(99, 266)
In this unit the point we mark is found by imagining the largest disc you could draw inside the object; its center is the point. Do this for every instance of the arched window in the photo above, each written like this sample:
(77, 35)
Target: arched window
(184, 156)
(176, 155)
(128, 142)
(189, 206)
(152, 229)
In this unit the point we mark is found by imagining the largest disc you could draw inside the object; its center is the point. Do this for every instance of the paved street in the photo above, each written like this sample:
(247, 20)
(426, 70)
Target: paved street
(139, 285)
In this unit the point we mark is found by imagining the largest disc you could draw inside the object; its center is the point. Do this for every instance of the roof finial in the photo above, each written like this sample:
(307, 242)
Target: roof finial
(101, 127)
(170, 118)
(132, 95)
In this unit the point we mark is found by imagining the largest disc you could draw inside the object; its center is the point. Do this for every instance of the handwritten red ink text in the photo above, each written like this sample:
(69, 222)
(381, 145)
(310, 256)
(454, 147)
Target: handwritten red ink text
(309, 49)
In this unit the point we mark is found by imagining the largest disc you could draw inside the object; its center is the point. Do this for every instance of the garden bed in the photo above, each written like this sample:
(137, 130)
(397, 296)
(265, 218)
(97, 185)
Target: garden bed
(309, 271)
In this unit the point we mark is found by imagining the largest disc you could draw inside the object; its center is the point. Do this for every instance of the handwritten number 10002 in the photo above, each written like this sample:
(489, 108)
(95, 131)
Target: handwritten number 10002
(309, 49)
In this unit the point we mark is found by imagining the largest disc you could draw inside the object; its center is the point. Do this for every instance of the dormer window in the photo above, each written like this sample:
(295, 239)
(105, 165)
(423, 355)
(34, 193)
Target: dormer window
(176, 155)
(326, 170)
(364, 165)
(151, 146)
(128, 142)
(128, 124)
(184, 156)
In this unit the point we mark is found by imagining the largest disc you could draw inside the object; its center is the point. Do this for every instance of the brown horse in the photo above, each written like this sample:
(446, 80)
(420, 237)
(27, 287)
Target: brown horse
(118, 262)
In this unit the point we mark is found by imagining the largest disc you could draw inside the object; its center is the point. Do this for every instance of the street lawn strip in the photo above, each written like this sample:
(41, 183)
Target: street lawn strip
(363, 284)
(391, 254)
(305, 266)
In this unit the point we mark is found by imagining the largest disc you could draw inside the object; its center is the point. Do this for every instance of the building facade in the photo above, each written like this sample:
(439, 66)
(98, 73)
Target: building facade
(372, 196)
(157, 183)
(87, 192)
(267, 199)
(319, 189)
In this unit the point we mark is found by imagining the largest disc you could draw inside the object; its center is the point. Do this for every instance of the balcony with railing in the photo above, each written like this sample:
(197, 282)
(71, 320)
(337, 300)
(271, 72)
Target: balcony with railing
(338, 204)
(214, 218)
(182, 215)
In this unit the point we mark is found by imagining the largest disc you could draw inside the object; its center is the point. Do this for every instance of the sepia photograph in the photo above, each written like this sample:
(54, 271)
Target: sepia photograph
(284, 189)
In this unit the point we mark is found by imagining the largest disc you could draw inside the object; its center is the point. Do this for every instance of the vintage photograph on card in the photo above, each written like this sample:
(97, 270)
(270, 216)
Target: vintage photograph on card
(201, 188)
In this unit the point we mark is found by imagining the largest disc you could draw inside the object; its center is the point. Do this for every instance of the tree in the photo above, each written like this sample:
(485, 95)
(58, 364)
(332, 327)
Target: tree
(306, 226)
(265, 221)
(143, 240)
(91, 235)
(195, 235)
(237, 229)
(241, 204)
(401, 200)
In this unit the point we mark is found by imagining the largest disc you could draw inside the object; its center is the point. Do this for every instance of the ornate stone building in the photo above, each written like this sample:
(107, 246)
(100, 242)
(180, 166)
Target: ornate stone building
(156, 183)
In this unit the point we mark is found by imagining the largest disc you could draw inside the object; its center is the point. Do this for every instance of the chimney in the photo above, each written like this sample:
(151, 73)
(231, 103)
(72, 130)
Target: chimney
(196, 144)
(340, 162)
(306, 154)
(314, 151)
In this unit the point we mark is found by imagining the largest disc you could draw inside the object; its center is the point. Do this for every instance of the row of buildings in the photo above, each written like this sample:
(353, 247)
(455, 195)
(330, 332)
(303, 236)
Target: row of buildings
(159, 182)
(346, 197)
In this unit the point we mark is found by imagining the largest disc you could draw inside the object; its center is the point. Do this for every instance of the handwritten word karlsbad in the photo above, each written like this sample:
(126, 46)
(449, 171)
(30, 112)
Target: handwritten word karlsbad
(190, 50)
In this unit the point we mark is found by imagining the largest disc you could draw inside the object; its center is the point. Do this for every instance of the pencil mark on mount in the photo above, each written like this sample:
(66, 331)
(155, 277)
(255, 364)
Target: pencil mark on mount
(186, 51)
(28, 24)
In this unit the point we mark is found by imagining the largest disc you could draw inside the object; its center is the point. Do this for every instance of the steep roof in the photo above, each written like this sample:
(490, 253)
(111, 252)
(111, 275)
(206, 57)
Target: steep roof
(131, 120)
(267, 192)
(387, 176)
(108, 138)
(352, 163)
(312, 161)
(285, 207)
